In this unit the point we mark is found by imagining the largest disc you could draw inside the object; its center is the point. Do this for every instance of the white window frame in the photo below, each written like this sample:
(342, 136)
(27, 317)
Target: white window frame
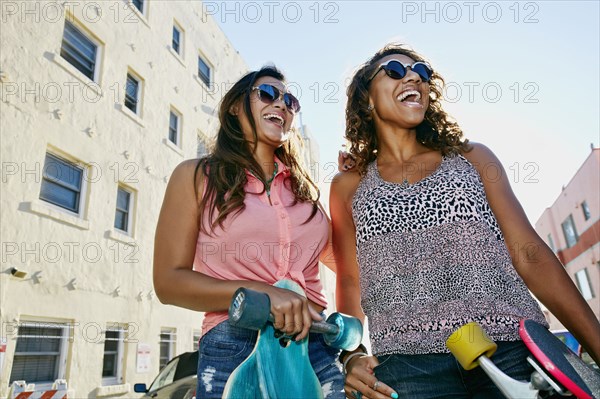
(65, 337)
(83, 189)
(130, 210)
(196, 335)
(210, 67)
(180, 53)
(178, 135)
(144, 6)
(117, 379)
(583, 283)
(92, 38)
(139, 93)
(171, 344)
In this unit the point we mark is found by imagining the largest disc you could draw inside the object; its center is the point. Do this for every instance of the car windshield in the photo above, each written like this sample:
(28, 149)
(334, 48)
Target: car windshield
(166, 376)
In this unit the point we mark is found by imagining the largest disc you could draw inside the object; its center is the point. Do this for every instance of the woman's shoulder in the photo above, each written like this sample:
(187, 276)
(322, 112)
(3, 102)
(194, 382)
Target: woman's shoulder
(185, 170)
(481, 156)
(187, 175)
(344, 184)
(477, 152)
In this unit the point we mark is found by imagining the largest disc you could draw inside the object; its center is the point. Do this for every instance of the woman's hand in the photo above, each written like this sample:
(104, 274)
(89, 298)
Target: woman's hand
(345, 161)
(292, 313)
(361, 381)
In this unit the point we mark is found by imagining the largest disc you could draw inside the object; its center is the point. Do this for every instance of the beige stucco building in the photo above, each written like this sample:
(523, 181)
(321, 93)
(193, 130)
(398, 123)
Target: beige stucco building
(312, 159)
(100, 101)
(571, 227)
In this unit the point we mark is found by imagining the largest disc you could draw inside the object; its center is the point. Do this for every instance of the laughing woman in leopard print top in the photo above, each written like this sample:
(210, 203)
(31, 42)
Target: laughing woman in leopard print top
(427, 238)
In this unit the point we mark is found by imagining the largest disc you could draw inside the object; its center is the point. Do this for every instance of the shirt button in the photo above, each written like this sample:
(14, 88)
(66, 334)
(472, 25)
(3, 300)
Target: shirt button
(276, 203)
(283, 216)
(280, 274)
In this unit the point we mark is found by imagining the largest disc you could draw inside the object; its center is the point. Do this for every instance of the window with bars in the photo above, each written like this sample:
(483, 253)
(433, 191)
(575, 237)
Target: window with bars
(122, 212)
(132, 93)
(61, 183)
(174, 127)
(176, 42)
(168, 338)
(203, 71)
(113, 355)
(40, 353)
(79, 50)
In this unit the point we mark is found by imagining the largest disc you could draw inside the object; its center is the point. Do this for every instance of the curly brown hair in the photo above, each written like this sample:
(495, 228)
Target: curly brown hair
(438, 130)
(224, 169)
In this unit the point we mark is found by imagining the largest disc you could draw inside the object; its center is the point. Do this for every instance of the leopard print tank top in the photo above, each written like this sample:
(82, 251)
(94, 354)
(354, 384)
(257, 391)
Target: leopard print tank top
(432, 258)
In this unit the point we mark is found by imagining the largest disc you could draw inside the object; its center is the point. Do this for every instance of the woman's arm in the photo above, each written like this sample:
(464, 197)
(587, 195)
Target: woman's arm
(176, 283)
(359, 368)
(342, 191)
(326, 256)
(537, 265)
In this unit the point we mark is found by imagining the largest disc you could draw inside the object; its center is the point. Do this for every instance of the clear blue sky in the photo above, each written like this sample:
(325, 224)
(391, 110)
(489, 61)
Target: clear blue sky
(523, 76)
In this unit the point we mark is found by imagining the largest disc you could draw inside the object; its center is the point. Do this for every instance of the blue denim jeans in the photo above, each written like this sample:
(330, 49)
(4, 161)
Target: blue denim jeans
(224, 347)
(441, 376)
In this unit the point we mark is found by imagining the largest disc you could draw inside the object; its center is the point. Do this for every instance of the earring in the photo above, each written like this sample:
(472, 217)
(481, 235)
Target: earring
(370, 107)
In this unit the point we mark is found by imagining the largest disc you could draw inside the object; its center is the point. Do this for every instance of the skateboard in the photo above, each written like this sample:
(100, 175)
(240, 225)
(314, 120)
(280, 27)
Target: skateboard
(279, 367)
(557, 370)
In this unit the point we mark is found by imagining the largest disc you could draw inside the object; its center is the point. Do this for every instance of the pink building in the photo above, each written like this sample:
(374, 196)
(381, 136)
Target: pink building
(571, 227)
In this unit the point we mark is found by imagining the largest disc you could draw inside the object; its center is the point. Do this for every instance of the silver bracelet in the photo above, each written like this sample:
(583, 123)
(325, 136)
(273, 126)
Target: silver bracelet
(350, 356)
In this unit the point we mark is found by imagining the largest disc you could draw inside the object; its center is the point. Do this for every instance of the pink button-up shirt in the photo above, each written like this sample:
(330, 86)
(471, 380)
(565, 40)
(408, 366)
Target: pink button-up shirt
(267, 241)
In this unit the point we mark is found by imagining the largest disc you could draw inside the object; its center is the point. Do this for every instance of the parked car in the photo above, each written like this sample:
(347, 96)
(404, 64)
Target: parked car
(177, 380)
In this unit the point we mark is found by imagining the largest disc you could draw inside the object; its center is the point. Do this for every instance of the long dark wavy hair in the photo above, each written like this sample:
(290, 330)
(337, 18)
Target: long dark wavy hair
(438, 130)
(224, 168)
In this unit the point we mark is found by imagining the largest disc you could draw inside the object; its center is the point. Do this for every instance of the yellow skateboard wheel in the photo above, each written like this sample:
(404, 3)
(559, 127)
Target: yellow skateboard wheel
(468, 343)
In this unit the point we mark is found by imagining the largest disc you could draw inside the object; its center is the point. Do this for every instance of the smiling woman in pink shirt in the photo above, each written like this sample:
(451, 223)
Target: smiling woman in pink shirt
(246, 215)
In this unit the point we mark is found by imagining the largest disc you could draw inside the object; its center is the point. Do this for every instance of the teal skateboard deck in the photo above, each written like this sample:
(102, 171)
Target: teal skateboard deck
(276, 367)
(279, 367)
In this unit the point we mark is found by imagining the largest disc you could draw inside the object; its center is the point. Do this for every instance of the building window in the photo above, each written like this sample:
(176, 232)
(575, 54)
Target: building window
(132, 93)
(113, 356)
(174, 124)
(196, 340)
(168, 337)
(203, 71)
(79, 50)
(61, 183)
(568, 227)
(122, 213)
(551, 243)
(583, 283)
(586, 210)
(139, 4)
(40, 353)
(176, 42)
(201, 146)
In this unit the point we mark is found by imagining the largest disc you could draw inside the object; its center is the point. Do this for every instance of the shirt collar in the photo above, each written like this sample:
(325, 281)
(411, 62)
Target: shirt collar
(282, 169)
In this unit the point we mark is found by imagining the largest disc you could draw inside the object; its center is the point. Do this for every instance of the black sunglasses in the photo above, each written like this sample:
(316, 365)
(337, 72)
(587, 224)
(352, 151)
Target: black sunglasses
(397, 70)
(268, 94)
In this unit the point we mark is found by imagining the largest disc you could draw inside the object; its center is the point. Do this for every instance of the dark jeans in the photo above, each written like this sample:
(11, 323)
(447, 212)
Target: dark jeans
(224, 347)
(441, 376)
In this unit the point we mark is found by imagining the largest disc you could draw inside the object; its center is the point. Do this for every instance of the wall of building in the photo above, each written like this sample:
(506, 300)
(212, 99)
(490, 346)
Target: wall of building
(584, 255)
(81, 270)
